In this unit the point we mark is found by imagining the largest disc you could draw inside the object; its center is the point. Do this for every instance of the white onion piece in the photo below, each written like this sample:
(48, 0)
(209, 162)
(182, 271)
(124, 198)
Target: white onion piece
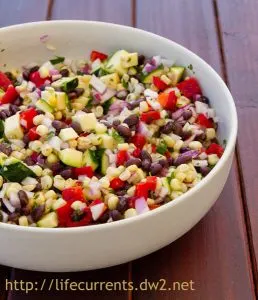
(150, 93)
(29, 194)
(175, 137)
(8, 205)
(203, 155)
(109, 93)
(156, 60)
(55, 142)
(29, 181)
(200, 163)
(148, 68)
(141, 206)
(201, 108)
(15, 200)
(95, 64)
(98, 85)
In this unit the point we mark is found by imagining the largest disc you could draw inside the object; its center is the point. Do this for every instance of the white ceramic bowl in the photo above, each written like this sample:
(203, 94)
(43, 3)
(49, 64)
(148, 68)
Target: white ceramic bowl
(98, 246)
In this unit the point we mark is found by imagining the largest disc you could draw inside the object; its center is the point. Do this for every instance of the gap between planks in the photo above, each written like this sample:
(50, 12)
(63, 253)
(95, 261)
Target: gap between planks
(249, 242)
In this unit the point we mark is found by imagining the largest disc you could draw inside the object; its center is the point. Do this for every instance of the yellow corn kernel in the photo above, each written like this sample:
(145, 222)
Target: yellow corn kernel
(165, 79)
(18, 155)
(46, 150)
(58, 115)
(23, 221)
(35, 146)
(190, 176)
(150, 201)
(1, 181)
(100, 128)
(72, 143)
(180, 176)
(52, 158)
(105, 183)
(168, 140)
(99, 111)
(195, 145)
(182, 101)
(213, 159)
(123, 146)
(50, 194)
(178, 145)
(46, 182)
(113, 202)
(59, 182)
(210, 133)
(176, 194)
(144, 106)
(42, 130)
(37, 120)
(176, 185)
(131, 191)
(125, 175)
(129, 213)
(183, 168)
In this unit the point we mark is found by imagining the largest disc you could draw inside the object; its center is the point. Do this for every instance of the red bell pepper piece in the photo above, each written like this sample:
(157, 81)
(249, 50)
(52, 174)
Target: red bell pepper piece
(9, 96)
(88, 171)
(4, 81)
(121, 157)
(204, 121)
(150, 116)
(160, 84)
(98, 55)
(171, 101)
(32, 134)
(65, 217)
(73, 194)
(215, 149)
(153, 148)
(27, 116)
(137, 152)
(139, 140)
(37, 80)
(117, 184)
(189, 87)
(96, 202)
(143, 188)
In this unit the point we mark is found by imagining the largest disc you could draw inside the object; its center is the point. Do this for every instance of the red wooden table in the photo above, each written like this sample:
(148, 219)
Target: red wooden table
(219, 254)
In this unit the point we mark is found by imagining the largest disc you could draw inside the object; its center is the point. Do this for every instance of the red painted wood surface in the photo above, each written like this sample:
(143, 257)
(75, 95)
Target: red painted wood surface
(215, 253)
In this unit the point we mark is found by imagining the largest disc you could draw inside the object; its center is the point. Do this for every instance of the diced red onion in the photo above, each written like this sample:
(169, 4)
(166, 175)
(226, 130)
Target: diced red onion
(8, 205)
(54, 72)
(98, 85)
(148, 68)
(144, 130)
(109, 93)
(86, 69)
(116, 108)
(200, 163)
(156, 60)
(178, 113)
(141, 206)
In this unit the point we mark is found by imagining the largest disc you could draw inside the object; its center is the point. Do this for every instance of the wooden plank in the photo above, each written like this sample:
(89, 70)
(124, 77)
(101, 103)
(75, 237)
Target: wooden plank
(22, 11)
(214, 254)
(93, 10)
(240, 41)
(115, 11)
(4, 274)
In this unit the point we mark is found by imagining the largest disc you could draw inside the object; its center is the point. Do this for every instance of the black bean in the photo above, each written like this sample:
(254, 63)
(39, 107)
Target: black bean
(121, 192)
(23, 198)
(104, 218)
(145, 155)
(64, 73)
(55, 167)
(187, 114)
(183, 159)
(155, 168)
(141, 59)
(116, 123)
(205, 170)
(13, 217)
(34, 69)
(201, 137)
(163, 163)
(106, 123)
(18, 101)
(87, 110)
(146, 165)
(116, 215)
(38, 212)
(29, 161)
(132, 105)
(38, 187)
(186, 134)
(170, 161)
(58, 125)
(131, 120)
(26, 75)
(7, 113)
(168, 128)
(13, 109)
(124, 131)
(122, 204)
(6, 149)
(79, 91)
(72, 95)
(133, 161)
(77, 127)
(41, 160)
(203, 99)
(177, 128)
(2, 115)
(67, 173)
(26, 139)
(25, 210)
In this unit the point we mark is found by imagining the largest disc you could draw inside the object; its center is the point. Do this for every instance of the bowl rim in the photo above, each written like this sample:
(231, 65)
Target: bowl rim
(226, 155)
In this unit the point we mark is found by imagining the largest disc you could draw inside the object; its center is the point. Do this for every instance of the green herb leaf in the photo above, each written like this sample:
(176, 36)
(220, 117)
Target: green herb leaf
(117, 137)
(162, 148)
(57, 60)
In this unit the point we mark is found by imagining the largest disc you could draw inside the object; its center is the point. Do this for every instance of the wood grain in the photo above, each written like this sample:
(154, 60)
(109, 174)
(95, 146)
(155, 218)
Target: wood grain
(214, 254)
(240, 42)
(21, 11)
(114, 11)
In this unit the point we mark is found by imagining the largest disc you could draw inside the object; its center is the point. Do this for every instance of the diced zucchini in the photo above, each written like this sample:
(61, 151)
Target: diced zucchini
(178, 73)
(117, 137)
(90, 159)
(67, 84)
(12, 127)
(61, 100)
(107, 104)
(111, 80)
(15, 171)
(67, 134)
(49, 97)
(158, 72)
(3, 157)
(107, 141)
(44, 106)
(104, 164)
(1, 128)
(71, 157)
(166, 183)
(114, 63)
(48, 221)
(129, 60)
(87, 121)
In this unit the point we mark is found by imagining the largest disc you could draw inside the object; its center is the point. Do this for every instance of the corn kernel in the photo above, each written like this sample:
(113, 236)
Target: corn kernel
(176, 194)
(165, 79)
(58, 115)
(58, 203)
(51, 194)
(182, 101)
(1, 181)
(42, 130)
(59, 182)
(23, 221)
(129, 213)
(190, 176)
(78, 205)
(104, 182)
(72, 143)
(183, 168)
(37, 120)
(52, 158)
(77, 106)
(178, 145)
(168, 140)
(210, 133)
(180, 176)
(112, 202)
(123, 146)
(46, 182)
(176, 185)
(195, 145)
(99, 111)
(131, 191)
(132, 168)
(100, 128)
(174, 155)
(18, 155)
(144, 106)
(46, 149)
(35, 146)
(46, 172)
(150, 201)
(39, 198)
(50, 116)
(213, 159)
(125, 175)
